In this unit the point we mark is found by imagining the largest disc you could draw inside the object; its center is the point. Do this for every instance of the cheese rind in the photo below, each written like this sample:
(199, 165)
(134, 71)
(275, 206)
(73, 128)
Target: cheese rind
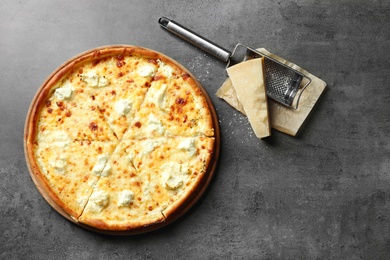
(248, 81)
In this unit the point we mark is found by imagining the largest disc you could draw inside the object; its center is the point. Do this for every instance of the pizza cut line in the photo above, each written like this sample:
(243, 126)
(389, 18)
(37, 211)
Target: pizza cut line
(120, 138)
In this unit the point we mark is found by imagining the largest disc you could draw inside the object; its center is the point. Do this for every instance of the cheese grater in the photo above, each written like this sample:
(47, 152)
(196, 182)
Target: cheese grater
(283, 83)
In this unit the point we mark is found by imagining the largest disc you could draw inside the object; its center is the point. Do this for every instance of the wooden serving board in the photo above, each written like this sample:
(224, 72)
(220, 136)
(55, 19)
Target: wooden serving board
(183, 208)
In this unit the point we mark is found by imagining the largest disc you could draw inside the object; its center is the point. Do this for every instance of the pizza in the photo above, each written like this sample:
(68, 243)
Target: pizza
(121, 138)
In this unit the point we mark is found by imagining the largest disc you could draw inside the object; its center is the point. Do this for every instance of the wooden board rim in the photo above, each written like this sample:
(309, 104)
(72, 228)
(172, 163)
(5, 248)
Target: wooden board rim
(185, 207)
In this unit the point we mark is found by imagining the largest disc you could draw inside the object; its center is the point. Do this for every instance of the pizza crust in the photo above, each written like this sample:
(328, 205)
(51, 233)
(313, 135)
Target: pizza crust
(85, 85)
(201, 180)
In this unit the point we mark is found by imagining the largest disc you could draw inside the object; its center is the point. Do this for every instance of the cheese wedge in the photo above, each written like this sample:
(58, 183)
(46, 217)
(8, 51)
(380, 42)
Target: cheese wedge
(282, 118)
(248, 81)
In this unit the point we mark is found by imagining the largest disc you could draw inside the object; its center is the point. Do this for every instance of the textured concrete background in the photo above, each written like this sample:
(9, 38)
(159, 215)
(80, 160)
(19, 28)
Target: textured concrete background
(324, 194)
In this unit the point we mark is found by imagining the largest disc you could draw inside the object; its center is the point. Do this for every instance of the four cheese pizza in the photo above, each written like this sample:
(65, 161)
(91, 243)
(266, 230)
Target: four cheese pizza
(121, 138)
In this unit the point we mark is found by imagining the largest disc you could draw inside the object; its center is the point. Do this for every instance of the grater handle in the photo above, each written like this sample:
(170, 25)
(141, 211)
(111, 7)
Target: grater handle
(195, 39)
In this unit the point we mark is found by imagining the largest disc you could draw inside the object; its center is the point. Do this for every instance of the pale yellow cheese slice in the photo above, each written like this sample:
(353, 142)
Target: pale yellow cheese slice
(72, 169)
(249, 84)
(282, 118)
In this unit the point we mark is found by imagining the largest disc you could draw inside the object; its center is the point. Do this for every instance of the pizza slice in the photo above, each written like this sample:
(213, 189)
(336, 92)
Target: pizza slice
(173, 106)
(147, 180)
(71, 169)
(120, 200)
(127, 79)
(69, 110)
(175, 168)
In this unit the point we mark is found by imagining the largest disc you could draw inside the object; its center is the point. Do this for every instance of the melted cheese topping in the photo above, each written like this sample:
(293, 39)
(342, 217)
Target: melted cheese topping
(121, 139)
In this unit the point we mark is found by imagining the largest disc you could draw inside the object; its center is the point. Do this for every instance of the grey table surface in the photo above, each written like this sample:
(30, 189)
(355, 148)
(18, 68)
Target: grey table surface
(324, 194)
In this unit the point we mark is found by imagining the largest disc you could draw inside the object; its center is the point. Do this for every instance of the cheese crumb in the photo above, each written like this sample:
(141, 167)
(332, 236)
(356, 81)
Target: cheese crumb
(157, 95)
(58, 165)
(93, 79)
(146, 196)
(64, 92)
(122, 107)
(55, 137)
(98, 201)
(188, 145)
(100, 164)
(165, 69)
(174, 182)
(150, 145)
(172, 175)
(106, 171)
(147, 70)
(103, 81)
(125, 198)
(154, 124)
(161, 97)
(130, 156)
(185, 168)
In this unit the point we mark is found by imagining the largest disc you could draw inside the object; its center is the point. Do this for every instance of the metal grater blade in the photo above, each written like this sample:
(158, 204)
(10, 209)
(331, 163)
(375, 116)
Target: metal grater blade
(282, 82)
